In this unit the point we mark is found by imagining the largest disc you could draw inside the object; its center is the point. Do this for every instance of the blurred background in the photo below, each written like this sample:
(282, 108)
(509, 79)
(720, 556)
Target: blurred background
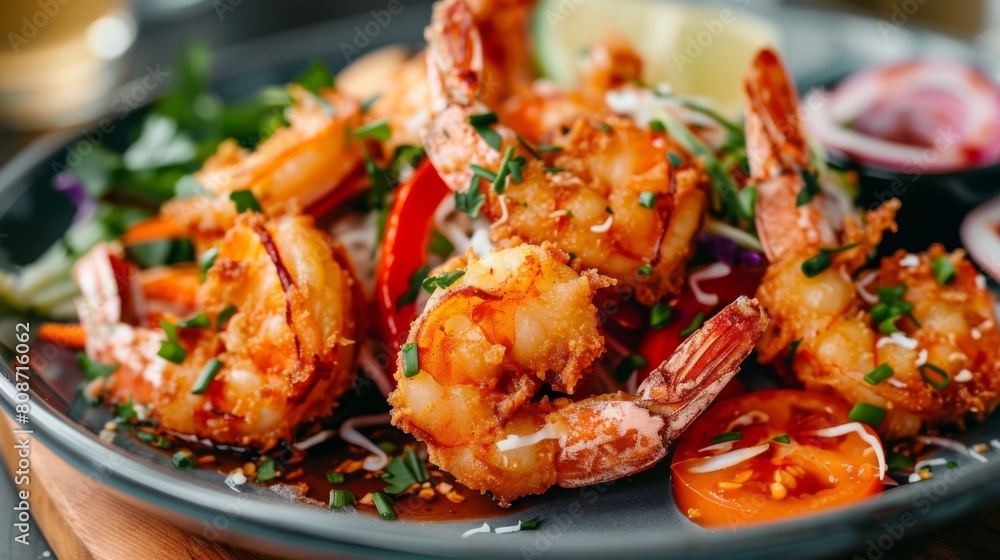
(61, 59)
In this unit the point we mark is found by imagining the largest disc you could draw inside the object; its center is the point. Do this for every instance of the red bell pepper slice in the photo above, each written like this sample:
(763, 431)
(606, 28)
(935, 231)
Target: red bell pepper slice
(658, 344)
(404, 250)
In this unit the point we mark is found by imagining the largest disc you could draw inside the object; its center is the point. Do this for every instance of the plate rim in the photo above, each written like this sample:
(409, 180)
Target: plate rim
(289, 523)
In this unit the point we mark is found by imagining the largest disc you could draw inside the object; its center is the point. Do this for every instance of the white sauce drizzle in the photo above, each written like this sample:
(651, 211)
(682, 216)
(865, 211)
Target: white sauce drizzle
(509, 528)
(726, 460)
(954, 445)
(859, 429)
(710, 272)
(236, 478)
(484, 529)
(896, 383)
(723, 446)
(915, 475)
(976, 333)
(748, 419)
(921, 358)
(963, 376)
(349, 433)
(980, 281)
(314, 439)
(899, 339)
(603, 228)
(515, 441)
(504, 215)
(374, 370)
(909, 261)
(862, 288)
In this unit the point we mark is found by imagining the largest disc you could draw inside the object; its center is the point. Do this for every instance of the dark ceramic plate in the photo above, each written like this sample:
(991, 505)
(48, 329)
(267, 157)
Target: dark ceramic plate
(632, 518)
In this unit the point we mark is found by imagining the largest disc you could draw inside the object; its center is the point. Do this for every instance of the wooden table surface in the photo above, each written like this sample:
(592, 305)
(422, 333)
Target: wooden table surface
(96, 525)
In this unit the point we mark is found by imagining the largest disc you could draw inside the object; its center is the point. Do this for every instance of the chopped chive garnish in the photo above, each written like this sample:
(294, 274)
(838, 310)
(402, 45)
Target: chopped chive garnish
(657, 125)
(376, 129)
(727, 436)
(482, 125)
(645, 269)
(810, 188)
(675, 160)
(483, 119)
(823, 260)
(628, 366)
(891, 308)
(783, 439)
(442, 280)
(334, 477)
(647, 199)
(944, 271)
(816, 265)
(379, 184)
(206, 261)
(940, 383)
(951, 465)
(897, 462)
(125, 410)
(604, 127)
(417, 467)
(572, 256)
(341, 498)
(182, 460)
(471, 201)
(660, 315)
(384, 506)
(695, 324)
(549, 148)
(224, 316)
(528, 146)
(440, 245)
(481, 171)
(516, 167)
(500, 181)
(555, 169)
(415, 282)
(156, 440)
(529, 525)
(867, 414)
(245, 200)
(170, 349)
(879, 374)
(199, 321)
(387, 446)
(206, 376)
(172, 352)
(792, 349)
(266, 470)
(93, 370)
(411, 359)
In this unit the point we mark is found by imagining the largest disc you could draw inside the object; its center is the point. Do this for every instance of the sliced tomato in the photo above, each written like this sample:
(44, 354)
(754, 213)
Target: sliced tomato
(404, 249)
(658, 344)
(808, 474)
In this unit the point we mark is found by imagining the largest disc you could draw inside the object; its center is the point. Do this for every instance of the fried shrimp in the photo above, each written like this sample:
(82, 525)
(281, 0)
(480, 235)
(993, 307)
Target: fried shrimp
(301, 164)
(518, 321)
(917, 336)
(274, 346)
(603, 188)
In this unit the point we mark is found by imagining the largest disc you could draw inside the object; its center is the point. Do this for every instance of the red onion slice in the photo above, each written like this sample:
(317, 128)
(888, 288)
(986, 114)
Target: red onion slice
(918, 116)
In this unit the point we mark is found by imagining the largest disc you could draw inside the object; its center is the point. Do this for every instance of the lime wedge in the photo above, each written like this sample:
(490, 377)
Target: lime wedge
(700, 51)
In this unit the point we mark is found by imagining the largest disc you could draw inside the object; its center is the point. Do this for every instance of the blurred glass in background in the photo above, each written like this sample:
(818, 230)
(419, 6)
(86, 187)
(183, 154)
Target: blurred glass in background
(61, 59)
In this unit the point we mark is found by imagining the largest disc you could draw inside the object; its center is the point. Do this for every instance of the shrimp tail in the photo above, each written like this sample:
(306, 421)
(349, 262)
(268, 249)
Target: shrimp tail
(608, 437)
(455, 56)
(685, 384)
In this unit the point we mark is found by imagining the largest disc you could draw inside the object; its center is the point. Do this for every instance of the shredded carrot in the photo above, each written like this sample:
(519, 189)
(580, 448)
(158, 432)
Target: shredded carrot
(64, 334)
(151, 229)
(173, 285)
